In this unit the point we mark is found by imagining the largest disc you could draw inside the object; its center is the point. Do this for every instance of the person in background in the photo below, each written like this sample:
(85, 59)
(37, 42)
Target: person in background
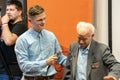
(12, 27)
(88, 59)
(0, 26)
(0, 21)
(38, 49)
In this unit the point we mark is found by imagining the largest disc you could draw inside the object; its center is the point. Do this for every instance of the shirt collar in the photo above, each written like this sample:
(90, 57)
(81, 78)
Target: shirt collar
(86, 49)
(35, 33)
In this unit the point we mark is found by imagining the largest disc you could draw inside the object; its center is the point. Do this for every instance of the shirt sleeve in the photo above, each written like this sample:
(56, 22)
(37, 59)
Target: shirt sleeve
(61, 57)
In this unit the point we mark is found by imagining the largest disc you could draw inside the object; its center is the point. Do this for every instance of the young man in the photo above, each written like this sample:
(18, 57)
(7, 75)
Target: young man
(12, 26)
(36, 49)
(89, 59)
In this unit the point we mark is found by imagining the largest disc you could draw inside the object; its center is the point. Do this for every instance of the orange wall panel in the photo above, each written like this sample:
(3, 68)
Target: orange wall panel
(63, 15)
(62, 18)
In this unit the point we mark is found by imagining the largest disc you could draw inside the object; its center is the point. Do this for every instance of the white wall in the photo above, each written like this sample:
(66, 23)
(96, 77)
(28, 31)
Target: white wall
(100, 21)
(116, 28)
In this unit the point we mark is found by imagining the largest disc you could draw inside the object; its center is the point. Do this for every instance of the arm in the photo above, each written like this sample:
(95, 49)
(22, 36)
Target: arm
(26, 62)
(61, 58)
(23, 57)
(112, 64)
(67, 69)
(7, 35)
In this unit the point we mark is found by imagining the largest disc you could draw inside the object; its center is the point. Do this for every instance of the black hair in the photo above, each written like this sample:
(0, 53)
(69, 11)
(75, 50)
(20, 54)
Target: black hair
(17, 3)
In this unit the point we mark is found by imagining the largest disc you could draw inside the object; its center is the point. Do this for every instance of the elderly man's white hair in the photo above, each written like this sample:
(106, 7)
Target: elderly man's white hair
(86, 25)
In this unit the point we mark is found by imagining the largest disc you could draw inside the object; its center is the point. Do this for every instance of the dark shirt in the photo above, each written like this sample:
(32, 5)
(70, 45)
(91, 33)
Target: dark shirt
(8, 51)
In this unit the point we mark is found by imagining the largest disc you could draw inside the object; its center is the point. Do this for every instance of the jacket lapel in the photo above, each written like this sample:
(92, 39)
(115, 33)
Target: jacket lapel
(75, 57)
(91, 58)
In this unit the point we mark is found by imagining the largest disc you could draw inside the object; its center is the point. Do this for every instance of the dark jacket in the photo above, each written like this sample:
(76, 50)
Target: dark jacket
(100, 62)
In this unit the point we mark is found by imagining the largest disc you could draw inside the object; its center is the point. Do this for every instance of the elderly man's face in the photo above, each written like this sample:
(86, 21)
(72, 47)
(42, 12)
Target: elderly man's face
(84, 38)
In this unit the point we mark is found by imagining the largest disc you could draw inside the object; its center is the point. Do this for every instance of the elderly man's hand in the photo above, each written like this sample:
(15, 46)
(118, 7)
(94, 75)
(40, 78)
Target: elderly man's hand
(109, 78)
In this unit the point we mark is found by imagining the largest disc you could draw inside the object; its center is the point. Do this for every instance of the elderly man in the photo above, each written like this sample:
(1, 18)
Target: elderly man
(89, 59)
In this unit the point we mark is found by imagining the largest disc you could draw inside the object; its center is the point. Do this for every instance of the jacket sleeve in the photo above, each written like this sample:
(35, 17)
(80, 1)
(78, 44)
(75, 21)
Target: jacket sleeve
(67, 72)
(112, 64)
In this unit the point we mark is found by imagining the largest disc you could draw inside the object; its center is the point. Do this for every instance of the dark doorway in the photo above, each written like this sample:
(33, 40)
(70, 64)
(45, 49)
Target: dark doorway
(110, 23)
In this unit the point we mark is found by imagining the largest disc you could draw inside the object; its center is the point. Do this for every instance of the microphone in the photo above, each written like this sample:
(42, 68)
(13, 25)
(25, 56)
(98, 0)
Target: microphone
(58, 53)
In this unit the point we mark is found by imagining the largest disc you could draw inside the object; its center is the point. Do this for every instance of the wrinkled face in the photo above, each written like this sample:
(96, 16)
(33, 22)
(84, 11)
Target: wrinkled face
(38, 22)
(84, 38)
(12, 12)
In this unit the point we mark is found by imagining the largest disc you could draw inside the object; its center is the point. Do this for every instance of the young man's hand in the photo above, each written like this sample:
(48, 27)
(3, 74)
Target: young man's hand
(51, 60)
